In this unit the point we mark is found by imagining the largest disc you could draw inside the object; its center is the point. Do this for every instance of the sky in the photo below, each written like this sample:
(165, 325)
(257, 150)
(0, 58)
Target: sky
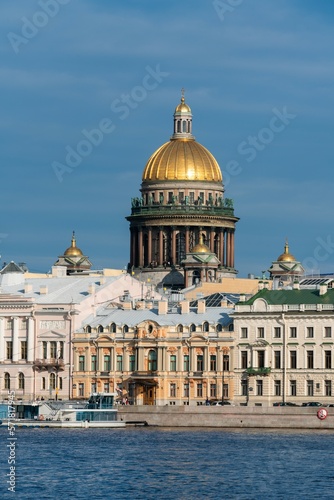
(88, 89)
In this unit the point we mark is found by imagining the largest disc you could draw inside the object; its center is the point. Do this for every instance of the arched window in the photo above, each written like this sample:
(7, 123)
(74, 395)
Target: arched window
(112, 328)
(192, 328)
(88, 329)
(152, 360)
(52, 381)
(7, 380)
(231, 327)
(100, 329)
(219, 327)
(60, 383)
(125, 329)
(179, 328)
(21, 381)
(150, 328)
(205, 326)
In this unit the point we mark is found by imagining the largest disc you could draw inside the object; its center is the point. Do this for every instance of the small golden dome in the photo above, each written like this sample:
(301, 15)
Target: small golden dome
(73, 250)
(182, 160)
(201, 247)
(286, 256)
(182, 107)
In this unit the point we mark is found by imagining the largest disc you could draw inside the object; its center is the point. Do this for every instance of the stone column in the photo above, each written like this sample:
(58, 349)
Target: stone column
(221, 248)
(161, 248)
(30, 341)
(16, 348)
(212, 240)
(149, 246)
(228, 249)
(133, 247)
(232, 249)
(173, 246)
(140, 247)
(187, 240)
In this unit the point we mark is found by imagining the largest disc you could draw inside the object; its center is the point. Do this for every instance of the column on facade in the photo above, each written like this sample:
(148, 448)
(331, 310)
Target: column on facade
(206, 357)
(212, 239)
(160, 358)
(133, 247)
(149, 246)
(232, 249)
(161, 247)
(140, 248)
(187, 240)
(173, 246)
(221, 248)
(2, 340)
(192, 359)
(179, 360)
(99, 354)
(15, 339)
(141, 366)
(30, 341)
(228, 248)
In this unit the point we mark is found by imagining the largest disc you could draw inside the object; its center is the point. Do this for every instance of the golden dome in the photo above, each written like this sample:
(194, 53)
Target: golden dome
(73, 250)
(201, 247)
(182, 107)
(286, 256)
(182, 160)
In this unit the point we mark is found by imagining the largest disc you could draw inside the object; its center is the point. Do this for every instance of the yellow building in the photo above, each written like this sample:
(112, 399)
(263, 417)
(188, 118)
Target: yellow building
(161, 354)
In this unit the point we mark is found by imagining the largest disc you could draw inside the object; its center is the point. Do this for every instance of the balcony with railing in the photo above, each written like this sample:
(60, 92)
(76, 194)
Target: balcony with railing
(253, 372)
(45, 364)
(181, 208)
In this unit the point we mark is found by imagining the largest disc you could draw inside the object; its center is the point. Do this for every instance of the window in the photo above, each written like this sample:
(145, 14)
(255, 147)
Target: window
(152, 360)
(119, 362)
(199, 390)
(277, 360)
(81, 389)
(328, 387)
(93, 387)
(259, 387)
(112, 328)
(170, 196)
(213, 363)
(244, 333)
(225, 391)
(9, 350)
(310, 360)
(172, 390)
(81, 363)
(179, 328)
(260, 332)
(106, 387)
(226, 363)
(106, 363)
(244, 360)
(100, 329)
(260, 359)
(61, 350)
(150, 328)
(21, 381)
(24, 350)
(328, 331)
(191, 197)
(199, 362)
(9, 324)
(43, 383)
(7, 380)
(173, 363)
(310, 332)
(277, 332)
(293, 332)
(88, 329)
(45, 350)
(53, 349)
(219, 327)
(132, 361)
(94, 362)
(186, 362)
(213, 390)
(328, 360)
(293, 360)
(192, 328)
(125, 329)
(244, 388)
(205, 326)
(293, 387)
(186, 390)
(310, 388)
(24, 324)
(60, 382)
(52, 381)
(277, 388)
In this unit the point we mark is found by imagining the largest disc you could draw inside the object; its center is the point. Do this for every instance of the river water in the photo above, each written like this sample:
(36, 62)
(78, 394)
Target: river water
(154, 463)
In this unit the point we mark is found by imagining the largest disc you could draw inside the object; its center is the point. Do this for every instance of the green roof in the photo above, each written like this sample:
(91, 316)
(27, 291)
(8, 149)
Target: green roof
(280, 297)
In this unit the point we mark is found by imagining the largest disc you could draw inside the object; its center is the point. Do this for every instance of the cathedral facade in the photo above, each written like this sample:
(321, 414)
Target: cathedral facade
(181, 204)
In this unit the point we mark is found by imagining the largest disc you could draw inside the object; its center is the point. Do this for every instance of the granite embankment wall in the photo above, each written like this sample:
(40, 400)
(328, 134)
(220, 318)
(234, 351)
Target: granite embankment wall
(228, 417)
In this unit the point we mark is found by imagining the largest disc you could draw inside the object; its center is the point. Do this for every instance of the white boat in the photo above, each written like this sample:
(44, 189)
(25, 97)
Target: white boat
(98, 412)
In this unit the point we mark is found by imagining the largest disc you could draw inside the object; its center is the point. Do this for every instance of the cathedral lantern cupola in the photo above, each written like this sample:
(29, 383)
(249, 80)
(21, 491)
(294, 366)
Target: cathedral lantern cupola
(181, 200)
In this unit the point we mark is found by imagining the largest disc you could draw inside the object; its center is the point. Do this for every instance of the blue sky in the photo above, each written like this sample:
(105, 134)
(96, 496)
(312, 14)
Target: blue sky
(65, 69)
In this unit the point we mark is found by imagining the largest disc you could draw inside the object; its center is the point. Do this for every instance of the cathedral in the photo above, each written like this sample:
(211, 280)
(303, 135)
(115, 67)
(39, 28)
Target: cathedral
(182, 226)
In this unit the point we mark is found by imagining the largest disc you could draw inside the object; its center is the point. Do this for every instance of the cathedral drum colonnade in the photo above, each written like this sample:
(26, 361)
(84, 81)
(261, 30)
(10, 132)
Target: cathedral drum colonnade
(181, 204)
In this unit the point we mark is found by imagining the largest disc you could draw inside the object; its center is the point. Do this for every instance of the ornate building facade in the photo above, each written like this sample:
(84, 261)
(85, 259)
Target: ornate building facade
(181, 201)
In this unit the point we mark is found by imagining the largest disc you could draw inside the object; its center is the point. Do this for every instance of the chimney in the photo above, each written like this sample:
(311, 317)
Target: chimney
(162, 307)
(201, 307)
(296, 285)
(242, 297)
(102, 281)
(127, 305)
(91, 289)
(59, 271)
(323, 289)
(140, 304)
(185, 306)
(43, 290)
(261, 286)
(27, 288)
(223, 303)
